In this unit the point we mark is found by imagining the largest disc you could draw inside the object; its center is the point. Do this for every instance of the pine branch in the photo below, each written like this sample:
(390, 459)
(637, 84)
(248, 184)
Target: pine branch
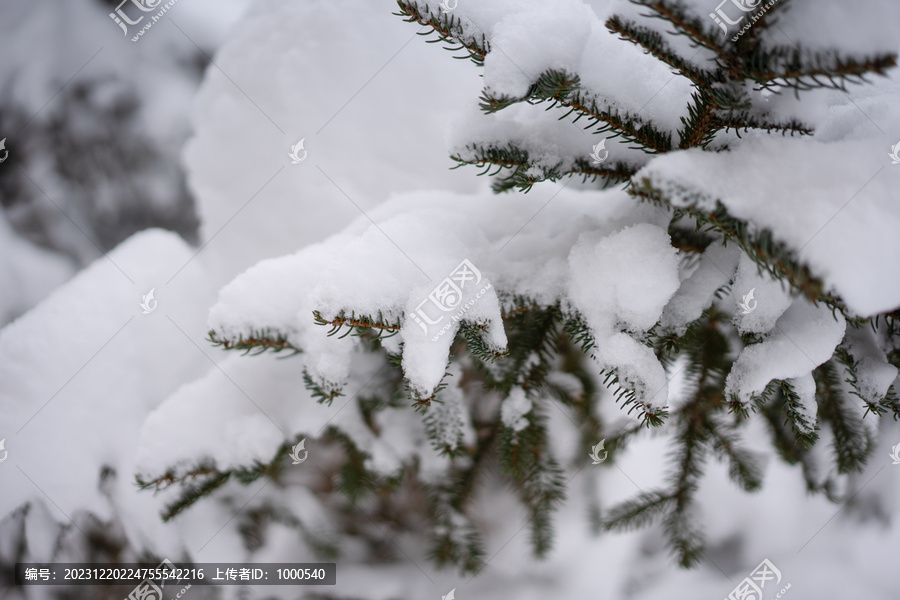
(804, 431)
(800, 70)
(257, 343)
(323, 391)
(639, 512)
(449, 29)
(654, 44)
(358, 325)
(772, 256)
(852, 444)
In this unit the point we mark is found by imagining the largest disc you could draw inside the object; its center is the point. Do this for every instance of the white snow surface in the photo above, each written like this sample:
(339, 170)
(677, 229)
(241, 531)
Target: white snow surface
(514, 408)
(82, 370)
(697, 291)
(282, 56)
(836, 207)
(804, 337)
(624, 281)
(770, 298)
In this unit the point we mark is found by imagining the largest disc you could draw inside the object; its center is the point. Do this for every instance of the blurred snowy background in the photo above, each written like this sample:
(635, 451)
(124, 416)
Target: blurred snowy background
(163, 164)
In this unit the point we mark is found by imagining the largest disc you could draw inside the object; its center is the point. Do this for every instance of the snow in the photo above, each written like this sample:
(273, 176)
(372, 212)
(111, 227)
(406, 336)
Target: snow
(30, 277)
(530, 37)
(805, 387)
(805, 336)
(153, 399)
(625, 280)
(514, 409)
(82, 370)
(835, 207)
(875, 374)
(770, 298)
(697, 291)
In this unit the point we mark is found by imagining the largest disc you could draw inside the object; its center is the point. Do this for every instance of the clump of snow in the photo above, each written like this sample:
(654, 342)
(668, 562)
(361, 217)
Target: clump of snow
(624, 280)
(804, 337)
(530, 37)
(514, 409)
(82, 370)
(759, 299)
(834, 207)
(874, 373)
(697, 292)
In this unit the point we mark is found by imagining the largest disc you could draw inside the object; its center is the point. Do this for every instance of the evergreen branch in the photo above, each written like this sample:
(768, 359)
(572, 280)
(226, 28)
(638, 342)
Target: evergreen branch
(169, 478)
(522, 173)
(685, 24)
(852, 444)
(615, 173)
(360, 326)
(449, 30)
(699, 128)
(630, 127)
(563, 89)
(742, 467)
(770, 255)
(639, 512)
(257, 343)
(652, 42)
(877, 406)
(323, 391)
(793, 67)
(745, 121)
(193, 493)
(804, 431)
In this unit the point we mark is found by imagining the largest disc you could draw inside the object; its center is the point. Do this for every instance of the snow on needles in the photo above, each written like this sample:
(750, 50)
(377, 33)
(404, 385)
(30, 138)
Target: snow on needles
(620, 274)
(836, 206)
(625, 280)
(804, 337)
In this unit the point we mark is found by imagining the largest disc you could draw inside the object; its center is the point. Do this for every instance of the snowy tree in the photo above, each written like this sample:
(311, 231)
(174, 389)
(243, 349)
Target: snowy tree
(732, 276)
(714, 307)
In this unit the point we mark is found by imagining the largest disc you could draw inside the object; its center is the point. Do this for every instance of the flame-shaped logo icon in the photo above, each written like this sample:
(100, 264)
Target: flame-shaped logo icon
(3, 147)
(895, 453)
(449, 595)
(595, 453)
(148, 302)
(5, 453)
(447, 6)
(596, 157)
(745, 305)
(295, 152)
(295, 452)
(895, 154)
